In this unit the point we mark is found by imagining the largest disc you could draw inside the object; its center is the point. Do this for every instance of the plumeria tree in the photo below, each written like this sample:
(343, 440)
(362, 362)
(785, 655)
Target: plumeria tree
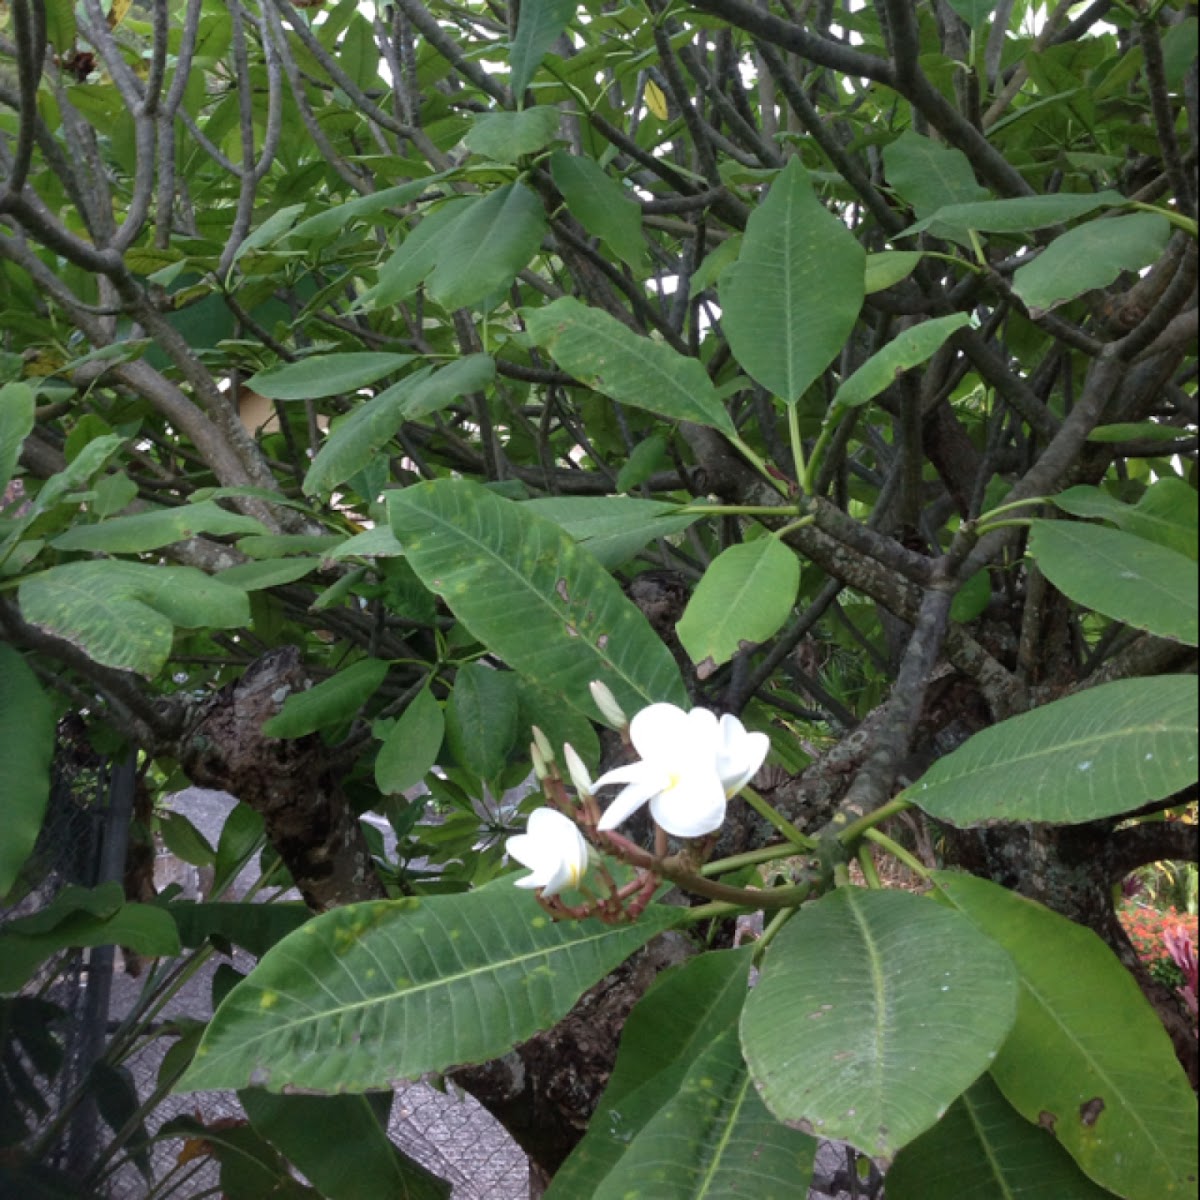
(783, 412)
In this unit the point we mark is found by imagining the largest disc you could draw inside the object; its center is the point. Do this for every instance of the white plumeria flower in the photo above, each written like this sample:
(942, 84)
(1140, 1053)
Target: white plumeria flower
(691, 764)
(553, 849)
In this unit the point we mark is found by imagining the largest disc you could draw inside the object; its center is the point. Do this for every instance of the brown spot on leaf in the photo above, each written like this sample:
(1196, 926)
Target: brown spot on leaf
(572, 631)
(1090, 1110)
(705, 668)
(1047, 1120)
(561, 588)
(602, 641)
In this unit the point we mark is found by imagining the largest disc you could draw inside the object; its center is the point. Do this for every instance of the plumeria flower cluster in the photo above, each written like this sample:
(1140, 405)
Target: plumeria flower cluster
(690, 765)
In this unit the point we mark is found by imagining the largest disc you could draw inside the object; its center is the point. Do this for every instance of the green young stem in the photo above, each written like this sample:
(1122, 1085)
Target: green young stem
(897, 851)
(749, 858)
(734, 510)
(856, 829)
(982, 530)
(757, 463)
(801, 841)
(867, 865)
(1003, 508)
(777, 922)
(1177, 219)
(783, 531)
(797, 443)
(828, 426)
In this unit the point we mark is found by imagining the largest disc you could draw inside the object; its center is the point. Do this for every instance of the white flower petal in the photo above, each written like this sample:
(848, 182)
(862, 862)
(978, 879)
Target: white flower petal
(692, 807)
(659, 731)
(649, 782)
(739, 754)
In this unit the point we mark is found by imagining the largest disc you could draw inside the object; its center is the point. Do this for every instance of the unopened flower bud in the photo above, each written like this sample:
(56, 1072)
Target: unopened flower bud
(542, 742)
(578, 772)
(539, 763)
(606, 702)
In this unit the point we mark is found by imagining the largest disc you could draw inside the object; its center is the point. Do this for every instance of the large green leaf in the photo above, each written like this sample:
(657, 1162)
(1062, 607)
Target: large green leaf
(523, 588)
(82, 917)
(152, 530)
(410, 747)
(685, 1010)
(255, 927)
(330, 702)
(356, 439)
(974, 12)
(491, 242)
(929, 175)
(1103, 751)
(1088, 1058)
(409, 264)
(713, 1138)
(613, 528)
(17, 405)
(509, 136)
(888, 268)
(1090, 256)
(1167, 513)
(340, 1146)
(1021, 214)
(609, 357)
(743, 599)
(905, 351)
(372, 993)
(873, 1014)
(982, 1149)
(790, 301)
(326, 374)
(481, 718)
(332, 221)
(123, 614)
(1120, 575)
(601, 205)
(540, 23)
(27, 723)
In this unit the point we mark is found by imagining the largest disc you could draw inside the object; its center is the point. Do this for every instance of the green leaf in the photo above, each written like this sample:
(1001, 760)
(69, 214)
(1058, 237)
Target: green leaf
(610, 358)
(371, 993)
(379, 542)
(492, 241)
(559, 722)
(982, 1148)
(873, 1014)
(1020, 214)
(254, 927)
(17, 405)
(417, 254)
(280, 545)
(714, 264)
(241, 836)
(1103, 751)
(712, 1138)
(330, 702)
(271, 230)
(1090, 256)
(78, 917)
(1120, 575)
(60, 24)
(928, 175)
(612, 528)
(356, 439)
(1167, 513)
(888, 268)
(906, 350)
(685, 1010)
(322, 375)
(27, 728)
(648, 456)
(123, 614)
(538, 26)
(340, 1146)
(972, 598)
(184, 840)
(791, 300)
(411, 746)
(332, 221)
(601, 205)
(508, 136)
(271, 572)
(155, 529)
(522, 587)
(90, 460)
(1128, 431)
(481, 718)
(743, 599)
(1088, 1058)
(974, 12)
